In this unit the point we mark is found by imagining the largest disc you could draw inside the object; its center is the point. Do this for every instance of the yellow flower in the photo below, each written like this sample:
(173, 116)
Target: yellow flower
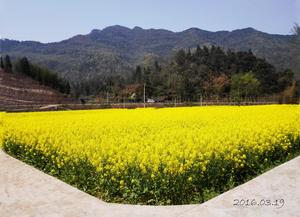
(127, 145)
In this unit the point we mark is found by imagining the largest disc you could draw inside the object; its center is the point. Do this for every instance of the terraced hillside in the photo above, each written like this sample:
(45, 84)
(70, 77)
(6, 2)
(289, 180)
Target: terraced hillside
(18, 92)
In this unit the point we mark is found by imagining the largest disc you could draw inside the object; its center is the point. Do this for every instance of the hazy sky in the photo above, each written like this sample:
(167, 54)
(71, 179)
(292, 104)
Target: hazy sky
(55, 20)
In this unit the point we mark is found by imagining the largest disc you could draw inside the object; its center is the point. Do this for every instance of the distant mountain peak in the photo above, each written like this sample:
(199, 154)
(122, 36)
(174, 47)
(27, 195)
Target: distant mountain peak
(116, 28)
(248, 30)
(95, 31)
(137, 28)
(195, 30)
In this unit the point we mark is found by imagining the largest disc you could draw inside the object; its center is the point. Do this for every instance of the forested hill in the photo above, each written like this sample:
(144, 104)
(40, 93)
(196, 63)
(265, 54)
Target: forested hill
(116, 50)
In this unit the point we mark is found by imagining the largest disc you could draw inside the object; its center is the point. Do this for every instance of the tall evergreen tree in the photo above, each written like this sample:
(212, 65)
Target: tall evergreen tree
(180, 57)
(1, 63)
(25, 66)
(7, 64)
(137, 75)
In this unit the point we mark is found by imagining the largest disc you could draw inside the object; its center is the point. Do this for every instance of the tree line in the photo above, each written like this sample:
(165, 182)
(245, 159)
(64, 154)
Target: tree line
(42, 75)
(208, 72)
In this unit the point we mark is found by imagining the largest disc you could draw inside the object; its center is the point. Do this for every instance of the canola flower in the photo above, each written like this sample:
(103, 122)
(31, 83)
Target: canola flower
(154, 156)
(1, 127)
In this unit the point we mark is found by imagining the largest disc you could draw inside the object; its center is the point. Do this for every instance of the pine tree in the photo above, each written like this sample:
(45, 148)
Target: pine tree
(180, 57)
(1, 63)
(25, 66)
(7, 64)
(137, 75)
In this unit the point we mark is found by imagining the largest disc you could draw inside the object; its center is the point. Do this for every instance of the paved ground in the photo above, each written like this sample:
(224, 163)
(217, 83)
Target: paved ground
(27, 192)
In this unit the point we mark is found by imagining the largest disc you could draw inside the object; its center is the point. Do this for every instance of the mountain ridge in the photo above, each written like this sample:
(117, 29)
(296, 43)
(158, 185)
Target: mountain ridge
(141, 28)
(115, 50)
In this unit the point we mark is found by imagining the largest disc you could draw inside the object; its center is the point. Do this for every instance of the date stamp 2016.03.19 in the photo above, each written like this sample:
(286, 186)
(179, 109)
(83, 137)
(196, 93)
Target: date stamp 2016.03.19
(255, 202)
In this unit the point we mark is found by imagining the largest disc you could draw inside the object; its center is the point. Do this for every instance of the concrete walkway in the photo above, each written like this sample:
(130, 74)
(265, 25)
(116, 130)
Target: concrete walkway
(27, 192)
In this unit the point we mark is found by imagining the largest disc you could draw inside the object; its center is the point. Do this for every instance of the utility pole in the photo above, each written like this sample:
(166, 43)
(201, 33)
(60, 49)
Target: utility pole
(201, 100)
(107, 97)
(144, 95)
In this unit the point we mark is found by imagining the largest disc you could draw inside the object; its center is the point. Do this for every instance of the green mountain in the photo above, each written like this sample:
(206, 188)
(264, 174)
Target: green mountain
(116, 50)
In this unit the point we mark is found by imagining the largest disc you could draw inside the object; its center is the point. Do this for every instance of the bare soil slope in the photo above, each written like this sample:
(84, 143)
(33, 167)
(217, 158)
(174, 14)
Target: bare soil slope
(18, 92)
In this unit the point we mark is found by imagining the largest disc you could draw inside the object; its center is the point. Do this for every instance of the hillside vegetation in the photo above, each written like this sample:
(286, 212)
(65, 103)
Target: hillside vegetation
(187, 76)
(116, 50)
(120, 62)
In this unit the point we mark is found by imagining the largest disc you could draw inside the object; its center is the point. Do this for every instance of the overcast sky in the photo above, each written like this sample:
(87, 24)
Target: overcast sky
(55, 20)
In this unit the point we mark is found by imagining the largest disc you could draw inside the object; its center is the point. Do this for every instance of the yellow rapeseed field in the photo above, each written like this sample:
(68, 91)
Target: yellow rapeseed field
(1, 127)
(154, 156)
